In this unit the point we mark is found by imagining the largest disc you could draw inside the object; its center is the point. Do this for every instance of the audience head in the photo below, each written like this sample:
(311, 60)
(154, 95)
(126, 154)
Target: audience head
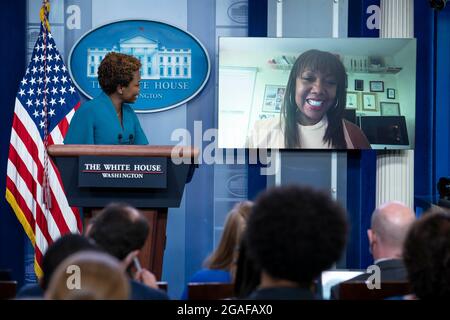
(100, 277)
(225, 256)
(427, 255)
(119, 229)
(294, 233)
(389, 226)
(59, 251)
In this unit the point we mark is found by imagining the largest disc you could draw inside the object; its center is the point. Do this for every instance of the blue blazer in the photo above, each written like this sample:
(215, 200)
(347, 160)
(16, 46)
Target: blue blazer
(96, 122)
(208, 275)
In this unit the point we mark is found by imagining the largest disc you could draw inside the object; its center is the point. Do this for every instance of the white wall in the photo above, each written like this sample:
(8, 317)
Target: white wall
(407, 80)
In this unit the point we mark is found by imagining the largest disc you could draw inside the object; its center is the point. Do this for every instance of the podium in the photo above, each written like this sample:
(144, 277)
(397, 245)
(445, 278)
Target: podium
(150, 178)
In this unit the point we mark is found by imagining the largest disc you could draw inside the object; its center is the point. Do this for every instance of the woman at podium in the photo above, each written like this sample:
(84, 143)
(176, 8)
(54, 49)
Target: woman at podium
(108, 118)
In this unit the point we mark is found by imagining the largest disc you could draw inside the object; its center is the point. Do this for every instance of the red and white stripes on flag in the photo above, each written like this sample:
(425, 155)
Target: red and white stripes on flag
(45, 102)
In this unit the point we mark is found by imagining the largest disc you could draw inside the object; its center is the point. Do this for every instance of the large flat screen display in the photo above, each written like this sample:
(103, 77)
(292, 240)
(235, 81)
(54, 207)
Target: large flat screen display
(311, 93)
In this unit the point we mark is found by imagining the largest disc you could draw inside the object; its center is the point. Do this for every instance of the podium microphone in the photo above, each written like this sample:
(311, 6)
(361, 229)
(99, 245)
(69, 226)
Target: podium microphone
(131, 139)
(120, 138)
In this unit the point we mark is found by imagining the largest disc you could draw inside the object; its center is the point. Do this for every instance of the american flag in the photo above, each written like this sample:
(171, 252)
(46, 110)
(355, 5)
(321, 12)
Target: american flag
(44, 106)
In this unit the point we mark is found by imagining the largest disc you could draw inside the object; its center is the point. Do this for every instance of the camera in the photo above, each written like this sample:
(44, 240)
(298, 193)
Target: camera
(437, 4)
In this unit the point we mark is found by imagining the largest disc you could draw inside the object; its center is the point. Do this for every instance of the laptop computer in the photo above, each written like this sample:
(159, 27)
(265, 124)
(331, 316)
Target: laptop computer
(331, 277)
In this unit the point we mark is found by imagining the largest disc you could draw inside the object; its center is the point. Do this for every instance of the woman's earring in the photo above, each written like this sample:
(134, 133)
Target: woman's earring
(336, 105)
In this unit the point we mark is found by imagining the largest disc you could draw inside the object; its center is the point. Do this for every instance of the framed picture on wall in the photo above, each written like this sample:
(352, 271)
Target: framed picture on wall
(390, 108)
(390, 93)
(359, 85)
(376, 86)
(352, 100)
(369, 102)
(273, 98)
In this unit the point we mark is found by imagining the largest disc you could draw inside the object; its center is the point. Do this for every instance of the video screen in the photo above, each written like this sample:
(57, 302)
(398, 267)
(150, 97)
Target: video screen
(316, 93)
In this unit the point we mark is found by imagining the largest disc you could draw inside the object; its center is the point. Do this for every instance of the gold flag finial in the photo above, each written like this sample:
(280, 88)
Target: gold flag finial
(43, 14)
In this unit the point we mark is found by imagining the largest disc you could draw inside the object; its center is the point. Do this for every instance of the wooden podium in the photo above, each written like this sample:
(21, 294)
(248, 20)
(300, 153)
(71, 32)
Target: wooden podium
(153, 201)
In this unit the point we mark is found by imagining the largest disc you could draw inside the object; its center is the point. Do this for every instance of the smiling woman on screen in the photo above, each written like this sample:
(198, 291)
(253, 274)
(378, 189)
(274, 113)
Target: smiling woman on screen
(312, 112)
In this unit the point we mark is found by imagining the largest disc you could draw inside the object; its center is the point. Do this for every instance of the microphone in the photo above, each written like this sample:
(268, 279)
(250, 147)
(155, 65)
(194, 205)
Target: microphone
(120, 138)
(131, 139)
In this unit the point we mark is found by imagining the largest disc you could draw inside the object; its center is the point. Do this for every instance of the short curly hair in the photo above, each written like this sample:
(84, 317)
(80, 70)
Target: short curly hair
(117, 69)
(61, 249)
(426, 254)
(294, 233)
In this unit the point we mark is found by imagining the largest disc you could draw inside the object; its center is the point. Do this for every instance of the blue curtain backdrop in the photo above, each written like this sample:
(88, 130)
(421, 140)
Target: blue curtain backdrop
(12, 54)
(441, 103)
(361, 172)
(257, 27)
(424, 154)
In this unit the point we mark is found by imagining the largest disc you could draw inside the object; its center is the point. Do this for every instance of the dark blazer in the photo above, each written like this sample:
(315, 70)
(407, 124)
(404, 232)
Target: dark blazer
(391, 270)
(140, 291)
(282, 293)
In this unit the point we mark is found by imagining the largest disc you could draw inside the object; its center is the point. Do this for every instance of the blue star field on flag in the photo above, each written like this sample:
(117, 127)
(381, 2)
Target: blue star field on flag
(47, 82)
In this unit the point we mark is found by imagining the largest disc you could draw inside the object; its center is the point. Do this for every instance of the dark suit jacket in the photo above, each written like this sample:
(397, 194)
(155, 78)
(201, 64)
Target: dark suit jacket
(282, 293)
(140, 291)
(391, 270)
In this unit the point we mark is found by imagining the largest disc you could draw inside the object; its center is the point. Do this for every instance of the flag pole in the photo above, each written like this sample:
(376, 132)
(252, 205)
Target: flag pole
(44, 13)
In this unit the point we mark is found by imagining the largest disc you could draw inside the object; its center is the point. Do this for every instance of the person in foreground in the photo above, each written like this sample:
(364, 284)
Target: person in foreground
(312, 112)
(121, 230)
(109, 119)
(427, 256)
(293, 234)
(389, 225)
(101, 277)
